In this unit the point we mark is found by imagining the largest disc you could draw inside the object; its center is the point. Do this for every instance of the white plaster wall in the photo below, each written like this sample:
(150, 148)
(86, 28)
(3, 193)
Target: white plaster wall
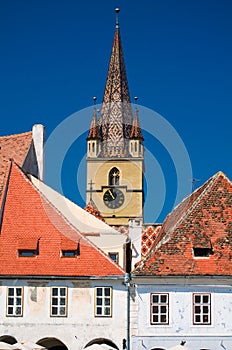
(180, 314)
(75, 330)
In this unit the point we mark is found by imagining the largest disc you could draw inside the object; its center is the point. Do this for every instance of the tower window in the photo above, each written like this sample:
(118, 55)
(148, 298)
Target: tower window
(114, 177)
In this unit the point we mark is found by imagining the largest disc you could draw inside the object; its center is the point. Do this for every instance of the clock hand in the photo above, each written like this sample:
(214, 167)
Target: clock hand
(111, 194)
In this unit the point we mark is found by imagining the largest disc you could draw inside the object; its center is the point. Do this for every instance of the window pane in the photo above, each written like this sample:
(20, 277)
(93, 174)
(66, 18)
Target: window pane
(155, 298)
(205, 309)
(163, 298)
(10, 301)
(54, 310)
(54, 291)
(18, 291)
(197, 309)
(107, 311)
(11, 291)
(99, 310)
(99, 291)
(62, 291)
(205, 299)
(155, 319)
(205, 318)
(62, 301)
(18, 310)
(18, 301)
(197, 318)
(197, 299)
(155, 309)
(163, 318)
(163, 309)
(99, 301)
(62, 311)
(54, 301)
(10, 310)
(107, 292)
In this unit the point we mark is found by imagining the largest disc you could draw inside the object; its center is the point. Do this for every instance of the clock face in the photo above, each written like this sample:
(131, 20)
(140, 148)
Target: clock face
(113, 198)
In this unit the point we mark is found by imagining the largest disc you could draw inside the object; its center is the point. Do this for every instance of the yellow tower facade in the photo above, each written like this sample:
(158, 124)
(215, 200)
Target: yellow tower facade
(115, 160)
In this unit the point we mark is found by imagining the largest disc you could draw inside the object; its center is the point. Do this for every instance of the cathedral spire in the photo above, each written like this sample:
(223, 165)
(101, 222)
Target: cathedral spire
(116, 113)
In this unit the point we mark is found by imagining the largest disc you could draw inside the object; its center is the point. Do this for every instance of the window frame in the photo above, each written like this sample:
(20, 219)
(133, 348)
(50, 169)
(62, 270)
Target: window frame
(59, 305)
(103, 306)
(201, 304)
(14, 305)
(159, 304)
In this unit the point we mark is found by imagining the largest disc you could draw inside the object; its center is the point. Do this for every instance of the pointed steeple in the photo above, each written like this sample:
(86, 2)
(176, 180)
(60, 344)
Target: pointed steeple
(136, 132)
(94, 131)
(116, 112)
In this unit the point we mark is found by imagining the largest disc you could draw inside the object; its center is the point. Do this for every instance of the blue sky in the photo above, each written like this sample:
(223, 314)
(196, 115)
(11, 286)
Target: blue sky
(178, 54)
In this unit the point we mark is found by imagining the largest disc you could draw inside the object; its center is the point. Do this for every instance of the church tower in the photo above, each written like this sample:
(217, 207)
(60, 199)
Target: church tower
(115, 158)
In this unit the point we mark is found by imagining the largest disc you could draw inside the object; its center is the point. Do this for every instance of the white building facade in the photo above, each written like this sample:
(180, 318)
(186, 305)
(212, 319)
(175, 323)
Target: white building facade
(65, 313)
(195, 312)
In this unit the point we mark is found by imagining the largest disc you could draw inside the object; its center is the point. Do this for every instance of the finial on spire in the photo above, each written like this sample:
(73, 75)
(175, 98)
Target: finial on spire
(117, 10)
(94, 100)
(136, 99)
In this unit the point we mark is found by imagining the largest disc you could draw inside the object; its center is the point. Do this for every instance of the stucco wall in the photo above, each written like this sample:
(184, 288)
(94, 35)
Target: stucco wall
(180, 325)
(79, 327)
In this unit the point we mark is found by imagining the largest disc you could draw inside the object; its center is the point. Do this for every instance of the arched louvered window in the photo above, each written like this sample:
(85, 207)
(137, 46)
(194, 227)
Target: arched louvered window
(114, 176)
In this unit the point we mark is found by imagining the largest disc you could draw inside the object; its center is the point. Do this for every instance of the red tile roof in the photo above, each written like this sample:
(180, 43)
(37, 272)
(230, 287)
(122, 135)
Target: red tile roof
(92, 209)
(203, 220)
(13, 147)
(28, 218)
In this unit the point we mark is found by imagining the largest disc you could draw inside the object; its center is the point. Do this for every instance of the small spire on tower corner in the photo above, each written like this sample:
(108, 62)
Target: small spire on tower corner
(117, 10)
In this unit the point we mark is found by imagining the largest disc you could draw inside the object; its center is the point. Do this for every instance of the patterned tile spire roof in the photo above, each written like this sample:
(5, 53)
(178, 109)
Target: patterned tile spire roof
(136, 132)
(116, 113)
(196, 237)
(94, 131)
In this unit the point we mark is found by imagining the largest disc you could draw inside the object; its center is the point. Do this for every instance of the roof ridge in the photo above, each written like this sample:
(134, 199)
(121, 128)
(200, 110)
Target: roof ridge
(16, 135)
(211, 181)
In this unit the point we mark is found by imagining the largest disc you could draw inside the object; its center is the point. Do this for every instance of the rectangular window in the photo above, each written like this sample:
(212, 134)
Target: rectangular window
(202, 252)
(69, 253)
(14, 301)
(159, 308)
(103, 301)
(114, 257)
(27, 253)
(59, 301)
(201, 308)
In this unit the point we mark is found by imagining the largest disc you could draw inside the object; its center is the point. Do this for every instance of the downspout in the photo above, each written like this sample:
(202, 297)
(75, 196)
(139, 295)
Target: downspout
(127, 279)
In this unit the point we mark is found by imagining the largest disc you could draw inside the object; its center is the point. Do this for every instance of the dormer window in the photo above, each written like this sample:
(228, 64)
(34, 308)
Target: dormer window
(27, 253)
(202, 252)
(28, 247)
(69, 253)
